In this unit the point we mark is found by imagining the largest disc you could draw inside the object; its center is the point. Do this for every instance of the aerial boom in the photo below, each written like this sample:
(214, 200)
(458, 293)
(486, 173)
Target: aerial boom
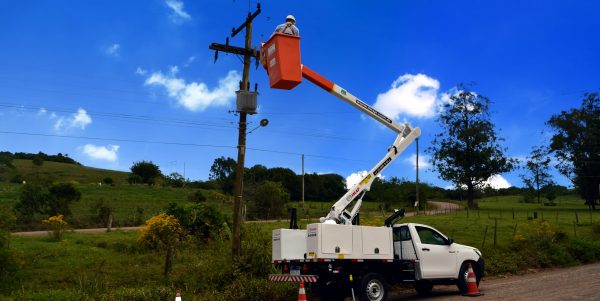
(281, 57)
(406, 135)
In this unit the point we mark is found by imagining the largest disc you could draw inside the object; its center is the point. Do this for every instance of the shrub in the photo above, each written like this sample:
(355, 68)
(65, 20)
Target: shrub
(57, 225)
(134, 179)
(197, 196)
(159, 231)
(60, 197)
(17, 179)
(107, 181)
(267, 200)
(147, 171)
(204, 221)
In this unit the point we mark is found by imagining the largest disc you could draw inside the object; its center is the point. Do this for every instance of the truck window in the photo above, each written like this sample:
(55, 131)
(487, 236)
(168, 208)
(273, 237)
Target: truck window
(431, 237)
(401, 234)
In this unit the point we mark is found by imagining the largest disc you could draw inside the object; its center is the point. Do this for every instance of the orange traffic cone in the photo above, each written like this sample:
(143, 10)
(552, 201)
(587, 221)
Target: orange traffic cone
(472, 290)
(178, 296)
(301, 292)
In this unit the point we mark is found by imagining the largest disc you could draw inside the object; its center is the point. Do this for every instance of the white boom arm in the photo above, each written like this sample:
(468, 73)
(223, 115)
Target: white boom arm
(406, 135)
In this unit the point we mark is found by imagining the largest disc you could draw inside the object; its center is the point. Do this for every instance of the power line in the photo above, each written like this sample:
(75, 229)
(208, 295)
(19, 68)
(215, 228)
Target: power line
(173, 143)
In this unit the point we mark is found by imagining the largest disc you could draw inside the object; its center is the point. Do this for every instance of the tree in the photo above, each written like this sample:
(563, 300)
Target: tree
(32, 200)
(60, 197)
(467, 151)
(537, 166)
(162, 231)
(174, 179)
(147, 171)
(222, 171)
(576, 144)
(267, 200)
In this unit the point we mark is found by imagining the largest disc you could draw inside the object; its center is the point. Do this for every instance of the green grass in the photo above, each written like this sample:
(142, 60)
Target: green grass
(111, 266)
(62, 172)
(131, 204)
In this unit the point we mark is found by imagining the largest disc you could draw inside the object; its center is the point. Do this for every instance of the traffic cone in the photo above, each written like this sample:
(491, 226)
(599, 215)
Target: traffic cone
(472, 290)
(301, 292)
(178, 296)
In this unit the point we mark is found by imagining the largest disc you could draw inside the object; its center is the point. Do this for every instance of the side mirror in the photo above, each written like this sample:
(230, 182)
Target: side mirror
(450, 241)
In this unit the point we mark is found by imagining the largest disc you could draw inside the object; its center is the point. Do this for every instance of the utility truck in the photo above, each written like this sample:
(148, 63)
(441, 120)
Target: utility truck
(338, 256)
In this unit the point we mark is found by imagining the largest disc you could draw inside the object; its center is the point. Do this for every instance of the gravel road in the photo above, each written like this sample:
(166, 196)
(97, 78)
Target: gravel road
(576, 283)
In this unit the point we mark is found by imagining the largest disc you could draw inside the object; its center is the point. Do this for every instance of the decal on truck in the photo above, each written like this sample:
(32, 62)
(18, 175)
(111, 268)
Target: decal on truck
(382, 166)
(363, 182)
(373, 111)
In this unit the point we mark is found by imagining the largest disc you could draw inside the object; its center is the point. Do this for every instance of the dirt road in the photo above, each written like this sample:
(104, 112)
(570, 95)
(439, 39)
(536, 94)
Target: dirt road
(94, 230)
(576, 283)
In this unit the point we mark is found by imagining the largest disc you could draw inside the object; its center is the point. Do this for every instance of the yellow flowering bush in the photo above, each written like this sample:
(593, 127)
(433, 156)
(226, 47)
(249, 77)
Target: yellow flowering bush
(160, 230)
(57, 225)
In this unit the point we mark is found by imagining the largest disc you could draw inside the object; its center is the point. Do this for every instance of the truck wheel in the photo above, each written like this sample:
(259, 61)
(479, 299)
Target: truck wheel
(373, 288)
(423, 287)
(463, 275)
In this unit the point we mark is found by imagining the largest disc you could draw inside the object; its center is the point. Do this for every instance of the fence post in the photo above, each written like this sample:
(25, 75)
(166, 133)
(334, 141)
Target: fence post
(577, 217)
(468, 214)
(513, 213)
(515, 230)
(575, 229)
(495, 229)
(484, 236)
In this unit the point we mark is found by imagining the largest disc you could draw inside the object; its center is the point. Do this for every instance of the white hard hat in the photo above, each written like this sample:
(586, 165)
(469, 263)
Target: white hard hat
(290, 17)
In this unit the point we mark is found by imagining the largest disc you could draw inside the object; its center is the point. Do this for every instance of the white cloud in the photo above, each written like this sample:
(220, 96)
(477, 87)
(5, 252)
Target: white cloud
(497, 182)
(179, 15)
(174, 70)
(42, 111)
(189, 61)
(196, 96)
(414, 95)
(140, 71)
(105, 153)
(423, 161)
(356, 177)
(113, 50)
(80, 120)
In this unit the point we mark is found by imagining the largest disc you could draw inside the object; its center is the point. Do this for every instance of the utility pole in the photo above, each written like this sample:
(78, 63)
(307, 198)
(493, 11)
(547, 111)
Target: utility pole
(417, 182)
(302, 180)
(246, 104)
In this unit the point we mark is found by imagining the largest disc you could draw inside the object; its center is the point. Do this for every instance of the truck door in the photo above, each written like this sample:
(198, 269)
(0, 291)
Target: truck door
(403, 244)
(437, 256)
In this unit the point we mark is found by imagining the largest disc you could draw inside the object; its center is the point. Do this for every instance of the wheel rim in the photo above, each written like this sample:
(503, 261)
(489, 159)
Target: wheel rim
(375, 290)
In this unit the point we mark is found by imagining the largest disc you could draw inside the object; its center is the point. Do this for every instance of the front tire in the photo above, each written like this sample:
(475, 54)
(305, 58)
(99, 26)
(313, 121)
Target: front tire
(463, 275)
(373, 287)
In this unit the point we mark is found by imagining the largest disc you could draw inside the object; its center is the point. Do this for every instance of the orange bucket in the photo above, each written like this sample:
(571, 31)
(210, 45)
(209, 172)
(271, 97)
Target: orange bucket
(280, 55)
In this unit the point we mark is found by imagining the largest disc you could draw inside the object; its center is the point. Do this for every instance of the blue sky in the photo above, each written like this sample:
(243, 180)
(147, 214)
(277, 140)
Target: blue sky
(142, 70)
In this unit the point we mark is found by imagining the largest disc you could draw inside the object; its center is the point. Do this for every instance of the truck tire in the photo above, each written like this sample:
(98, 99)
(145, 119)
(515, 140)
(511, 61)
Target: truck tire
(463, 275)
(423, 287)
(373, 287)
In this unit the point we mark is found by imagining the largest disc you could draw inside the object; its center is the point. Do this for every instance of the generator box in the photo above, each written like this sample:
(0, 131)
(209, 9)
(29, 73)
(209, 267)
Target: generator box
(333, 241)
(288, 244)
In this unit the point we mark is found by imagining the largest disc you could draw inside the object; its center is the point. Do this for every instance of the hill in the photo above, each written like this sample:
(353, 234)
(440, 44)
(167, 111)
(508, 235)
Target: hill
(58, 171)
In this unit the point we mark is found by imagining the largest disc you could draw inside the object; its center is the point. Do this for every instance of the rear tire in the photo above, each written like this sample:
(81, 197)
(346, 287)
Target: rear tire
(373, 287)
(423, 287)
(463, 275)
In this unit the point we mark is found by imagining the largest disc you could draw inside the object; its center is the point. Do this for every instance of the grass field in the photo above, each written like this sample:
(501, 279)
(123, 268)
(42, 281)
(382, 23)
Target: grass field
(110, 266)
(131, 204)
(63, 172)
